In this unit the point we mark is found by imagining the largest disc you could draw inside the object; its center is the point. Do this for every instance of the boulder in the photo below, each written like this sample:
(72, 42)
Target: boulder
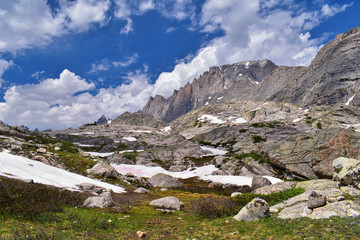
(277, 187)
(316, 200)
(258, 182)
(104, 200)
(164, 180)
(255, 210)
(167, 203)
(141, 190)
(103, 170)
(41, 150)
(347, 171)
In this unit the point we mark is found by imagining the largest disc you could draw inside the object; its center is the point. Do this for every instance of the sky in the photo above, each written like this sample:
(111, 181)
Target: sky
(64, 63)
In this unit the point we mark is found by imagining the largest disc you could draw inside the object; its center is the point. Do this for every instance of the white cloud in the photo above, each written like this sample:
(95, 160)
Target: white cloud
(146, 6)
(128, 27)
(129, 60)
(330, 11)
(83, 13)
(99, 67)
(25, 24)
(66, 101)
(4, 65)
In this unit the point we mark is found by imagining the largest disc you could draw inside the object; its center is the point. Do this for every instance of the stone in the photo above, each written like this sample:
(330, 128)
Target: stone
(277, 187)
(104, 200)
(140, 234)
(57, 148)
(344, 163)
(164, 180)
(258, 182)
(255, 210)
(171, 203)
(316, 200)
(41, 150)
(41, 159)
(15, 147)
(297, 210)
(103, 169)
(331, 199)
(141, 190)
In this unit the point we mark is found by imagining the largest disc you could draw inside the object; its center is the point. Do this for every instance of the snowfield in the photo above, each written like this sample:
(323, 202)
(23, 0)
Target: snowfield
(203, 173)
(211, 119)
(130, 139)
(98, 154)
(23, 168)
(214, 151)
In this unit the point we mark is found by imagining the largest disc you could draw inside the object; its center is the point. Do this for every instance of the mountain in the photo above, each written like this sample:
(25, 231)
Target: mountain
(217, 85)
(331, 78)
(103, 120)
(138, 119)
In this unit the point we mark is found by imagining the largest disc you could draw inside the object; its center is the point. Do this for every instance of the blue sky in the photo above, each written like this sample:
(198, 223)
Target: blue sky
(64, 63)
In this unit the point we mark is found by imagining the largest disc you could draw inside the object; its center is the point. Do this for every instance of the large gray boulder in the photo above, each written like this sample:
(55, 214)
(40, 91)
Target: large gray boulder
(104, 200)
(102, 169)
(164, 180)
(258, 182)
(255, 210)
(167, 203)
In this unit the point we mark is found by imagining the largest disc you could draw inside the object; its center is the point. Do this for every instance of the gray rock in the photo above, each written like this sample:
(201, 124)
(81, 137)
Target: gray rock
(164, 180)
(170, 203)
(141, 190)
(41, 150)
(255, 210)
(316, 200)
(258, 182)
(104, 200)
(347, 170)
(103, 170)
(297, 210)
(318, 184)
(277, 187)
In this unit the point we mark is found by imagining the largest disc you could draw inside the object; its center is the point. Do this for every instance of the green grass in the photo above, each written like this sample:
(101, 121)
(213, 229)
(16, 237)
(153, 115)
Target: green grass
(256, 156)
(257, 139)
(83, 223)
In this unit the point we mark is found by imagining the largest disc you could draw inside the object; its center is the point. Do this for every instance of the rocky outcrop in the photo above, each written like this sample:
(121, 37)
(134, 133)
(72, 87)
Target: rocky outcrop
(102, 201)
(138, 119)
(164, 180)
(216, 85)
(347, 171)
(103, 169)
(255, 210)
(103, 120)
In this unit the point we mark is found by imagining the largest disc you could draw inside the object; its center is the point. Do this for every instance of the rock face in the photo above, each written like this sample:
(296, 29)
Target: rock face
(255, 210)
(164, 180)
(138, 119)
(167, 203)
(216, 85)
(331, 78)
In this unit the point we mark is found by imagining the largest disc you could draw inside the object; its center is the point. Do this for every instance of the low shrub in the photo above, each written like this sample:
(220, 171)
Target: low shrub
(30, 200)
(214, 207)
(256, 156)
(257, 139)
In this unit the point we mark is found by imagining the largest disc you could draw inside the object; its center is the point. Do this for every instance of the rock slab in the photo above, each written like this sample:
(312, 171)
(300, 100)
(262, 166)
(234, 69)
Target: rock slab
(255, 210)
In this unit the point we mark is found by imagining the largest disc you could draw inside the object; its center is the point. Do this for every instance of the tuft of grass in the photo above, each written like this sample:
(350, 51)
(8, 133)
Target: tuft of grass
(214, 207)
(256, 156)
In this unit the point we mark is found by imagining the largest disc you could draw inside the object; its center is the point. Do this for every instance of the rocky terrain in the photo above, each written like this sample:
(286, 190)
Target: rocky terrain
(254, 121)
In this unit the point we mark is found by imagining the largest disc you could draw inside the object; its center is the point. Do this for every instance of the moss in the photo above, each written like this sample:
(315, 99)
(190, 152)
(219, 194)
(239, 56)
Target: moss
(256, 156)
(319, 125)
(257, 139)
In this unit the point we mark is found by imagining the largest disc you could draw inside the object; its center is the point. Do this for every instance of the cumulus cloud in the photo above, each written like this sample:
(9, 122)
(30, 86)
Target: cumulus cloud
(82, 13)
(66, 101)
(25, 24)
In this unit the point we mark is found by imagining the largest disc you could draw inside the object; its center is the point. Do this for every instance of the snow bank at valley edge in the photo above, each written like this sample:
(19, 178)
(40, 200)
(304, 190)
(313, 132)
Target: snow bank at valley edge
(22, 168)
(203, 173)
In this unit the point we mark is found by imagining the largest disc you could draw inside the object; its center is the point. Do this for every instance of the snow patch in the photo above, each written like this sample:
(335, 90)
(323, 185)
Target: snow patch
(130, 139)
(211, 119)
(203, 172)
(84, 145)
(296, 120)
(98, 154)
(253, 82)
(239, 120)
(350, 99)
(167, 129)
(247, 65)
(23, 168)
(255, 109)
(140, 131)
(109, 121)
(219, 98)
(214, 151)
(82, 133)
(209, 97)
(240, 74)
